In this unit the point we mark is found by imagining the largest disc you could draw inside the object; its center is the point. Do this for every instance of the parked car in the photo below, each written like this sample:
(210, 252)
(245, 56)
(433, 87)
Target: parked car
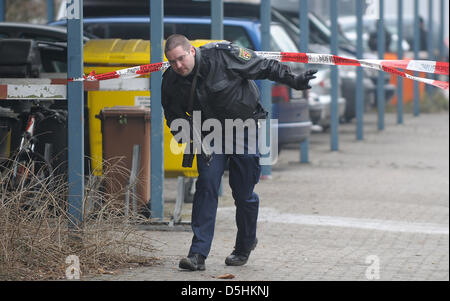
(51, 43)
(320, 103)
(347, 26)
(320, 34)
(27, 58)
(347, 83)
(319, 43)
(49, 52)
(289, 106)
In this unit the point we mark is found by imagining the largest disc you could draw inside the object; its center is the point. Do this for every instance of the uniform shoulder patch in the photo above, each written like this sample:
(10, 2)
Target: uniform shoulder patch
(245, 54)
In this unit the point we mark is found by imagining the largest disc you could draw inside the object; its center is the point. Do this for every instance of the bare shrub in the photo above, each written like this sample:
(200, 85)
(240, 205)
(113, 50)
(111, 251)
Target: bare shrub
(36, 235)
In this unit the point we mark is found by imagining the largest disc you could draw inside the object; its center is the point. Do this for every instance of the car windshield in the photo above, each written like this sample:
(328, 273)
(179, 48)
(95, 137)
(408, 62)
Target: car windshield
(280, 40)
(342, 40)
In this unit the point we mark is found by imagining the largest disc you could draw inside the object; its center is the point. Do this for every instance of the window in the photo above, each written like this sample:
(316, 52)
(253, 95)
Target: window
(280, 40)
(238, 35)
(194, 31)
(54, 59)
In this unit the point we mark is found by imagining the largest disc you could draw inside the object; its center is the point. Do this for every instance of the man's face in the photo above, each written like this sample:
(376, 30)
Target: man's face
(181, 61)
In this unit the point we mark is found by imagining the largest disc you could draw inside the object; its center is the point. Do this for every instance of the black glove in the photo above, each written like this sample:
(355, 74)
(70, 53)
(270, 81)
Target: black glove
(301, 81)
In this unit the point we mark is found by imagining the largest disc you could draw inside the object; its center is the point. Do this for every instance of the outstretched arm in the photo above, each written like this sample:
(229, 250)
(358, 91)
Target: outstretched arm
(247, 64)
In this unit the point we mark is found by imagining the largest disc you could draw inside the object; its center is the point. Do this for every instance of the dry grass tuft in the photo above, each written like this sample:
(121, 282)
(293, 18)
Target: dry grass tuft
(436, 104)
(35, 239)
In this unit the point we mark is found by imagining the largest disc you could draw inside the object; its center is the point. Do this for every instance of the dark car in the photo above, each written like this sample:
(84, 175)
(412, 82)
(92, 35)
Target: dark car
(50, 42)
(23, 60)
(39, 51)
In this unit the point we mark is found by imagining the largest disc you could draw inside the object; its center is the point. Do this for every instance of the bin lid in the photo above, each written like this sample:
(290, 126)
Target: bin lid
(128, 111)
(116, 51)
(122, 52)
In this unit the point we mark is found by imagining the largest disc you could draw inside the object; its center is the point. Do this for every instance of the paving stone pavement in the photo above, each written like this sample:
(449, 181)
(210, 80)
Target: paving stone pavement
(377, 209)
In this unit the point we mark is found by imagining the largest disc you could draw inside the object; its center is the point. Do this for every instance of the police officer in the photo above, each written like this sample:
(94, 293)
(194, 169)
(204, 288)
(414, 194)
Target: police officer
(217, 79)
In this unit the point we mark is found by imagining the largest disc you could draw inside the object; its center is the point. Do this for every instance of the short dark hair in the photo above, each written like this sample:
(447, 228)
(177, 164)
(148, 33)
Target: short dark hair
(176, 40)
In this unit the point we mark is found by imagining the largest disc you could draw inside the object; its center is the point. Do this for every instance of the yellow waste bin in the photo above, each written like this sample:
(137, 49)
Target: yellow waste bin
(106, 55)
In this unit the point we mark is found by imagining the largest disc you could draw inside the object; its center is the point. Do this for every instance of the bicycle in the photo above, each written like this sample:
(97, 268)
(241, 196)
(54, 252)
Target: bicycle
(31, 169)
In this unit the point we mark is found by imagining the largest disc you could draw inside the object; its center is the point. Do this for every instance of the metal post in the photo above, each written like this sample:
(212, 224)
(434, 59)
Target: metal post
(441, 31)
(2, 11)
(179, 202)
(334, 78)
(400, 57)
(75, 104)
(266, 86)
(217, 19)
(48, 151)
(304, 37)
(131, 186)
(50, 10)
(135, 163)
(359, 84)
(380, 83)
(430, 46)
(217, 34)
(156, 132)
(416, 55)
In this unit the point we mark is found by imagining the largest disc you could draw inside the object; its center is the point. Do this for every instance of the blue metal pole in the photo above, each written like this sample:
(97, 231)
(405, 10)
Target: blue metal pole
(430, 46)
(304, 37)
(2, 11)
(416, 55)
(441, 31)
(75, 103)
(157, 130)
(217, 34)
(50, 10)
(359, 71)
(266, 86)
(334, 78)
(380, 84)
(217, 19)
(400, 56)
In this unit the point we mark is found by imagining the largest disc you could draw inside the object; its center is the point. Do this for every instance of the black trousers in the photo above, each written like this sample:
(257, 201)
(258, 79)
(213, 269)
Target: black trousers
(244, 173)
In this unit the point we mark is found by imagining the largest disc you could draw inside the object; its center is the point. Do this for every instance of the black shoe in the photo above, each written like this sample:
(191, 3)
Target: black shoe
(195, 262)
(237, 258)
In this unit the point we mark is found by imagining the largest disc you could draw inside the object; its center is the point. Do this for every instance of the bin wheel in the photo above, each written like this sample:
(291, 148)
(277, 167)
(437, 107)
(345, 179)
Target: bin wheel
(189, 189)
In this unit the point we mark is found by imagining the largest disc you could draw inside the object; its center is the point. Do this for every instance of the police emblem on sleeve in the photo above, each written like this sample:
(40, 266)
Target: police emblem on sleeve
(245, 54)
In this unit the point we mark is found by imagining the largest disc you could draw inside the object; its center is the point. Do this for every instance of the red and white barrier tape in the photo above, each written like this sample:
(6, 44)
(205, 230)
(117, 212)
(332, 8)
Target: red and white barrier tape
(329, 59)
(382, 65)
(389, 66)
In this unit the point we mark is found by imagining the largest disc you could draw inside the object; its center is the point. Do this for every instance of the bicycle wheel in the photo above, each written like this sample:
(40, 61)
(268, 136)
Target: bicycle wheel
(32, 172)
(20, 170)
(43, 173)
